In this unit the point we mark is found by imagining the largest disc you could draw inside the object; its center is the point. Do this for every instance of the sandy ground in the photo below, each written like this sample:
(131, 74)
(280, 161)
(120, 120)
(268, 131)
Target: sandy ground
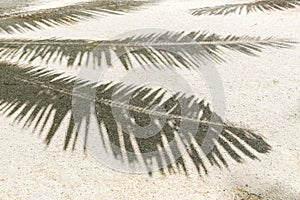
(261, 93)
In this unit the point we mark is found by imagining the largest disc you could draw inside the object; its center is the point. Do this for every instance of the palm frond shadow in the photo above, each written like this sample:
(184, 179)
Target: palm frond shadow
(33, 95)
(264, 5)
(30, 20)
(172, 49)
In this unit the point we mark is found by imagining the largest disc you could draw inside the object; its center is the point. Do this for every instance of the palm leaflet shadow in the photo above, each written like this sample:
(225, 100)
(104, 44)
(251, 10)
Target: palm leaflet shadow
(251, 7)
(31, 95)
(168, 49)
(21, 21)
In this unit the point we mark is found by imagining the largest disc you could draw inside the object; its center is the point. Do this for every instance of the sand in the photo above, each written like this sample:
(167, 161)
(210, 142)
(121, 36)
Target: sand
(260, 92)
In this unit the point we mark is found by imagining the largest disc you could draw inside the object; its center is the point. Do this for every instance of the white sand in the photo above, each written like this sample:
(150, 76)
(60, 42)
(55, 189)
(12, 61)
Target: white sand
(261, 92)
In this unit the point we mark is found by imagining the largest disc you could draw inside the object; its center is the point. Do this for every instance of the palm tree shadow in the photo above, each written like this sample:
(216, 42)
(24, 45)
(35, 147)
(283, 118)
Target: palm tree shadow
(230, 138)
(168, 49)
(21, 21)
(249, 7)
(124, 114)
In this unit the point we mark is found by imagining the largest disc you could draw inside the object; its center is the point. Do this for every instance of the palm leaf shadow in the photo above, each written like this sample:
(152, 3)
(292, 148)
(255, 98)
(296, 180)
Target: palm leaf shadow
(32, 95)
(172, 49)
(21, 21)
(264, 5)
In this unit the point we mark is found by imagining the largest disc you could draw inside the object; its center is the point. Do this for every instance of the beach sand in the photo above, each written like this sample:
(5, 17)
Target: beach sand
(260, 92)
